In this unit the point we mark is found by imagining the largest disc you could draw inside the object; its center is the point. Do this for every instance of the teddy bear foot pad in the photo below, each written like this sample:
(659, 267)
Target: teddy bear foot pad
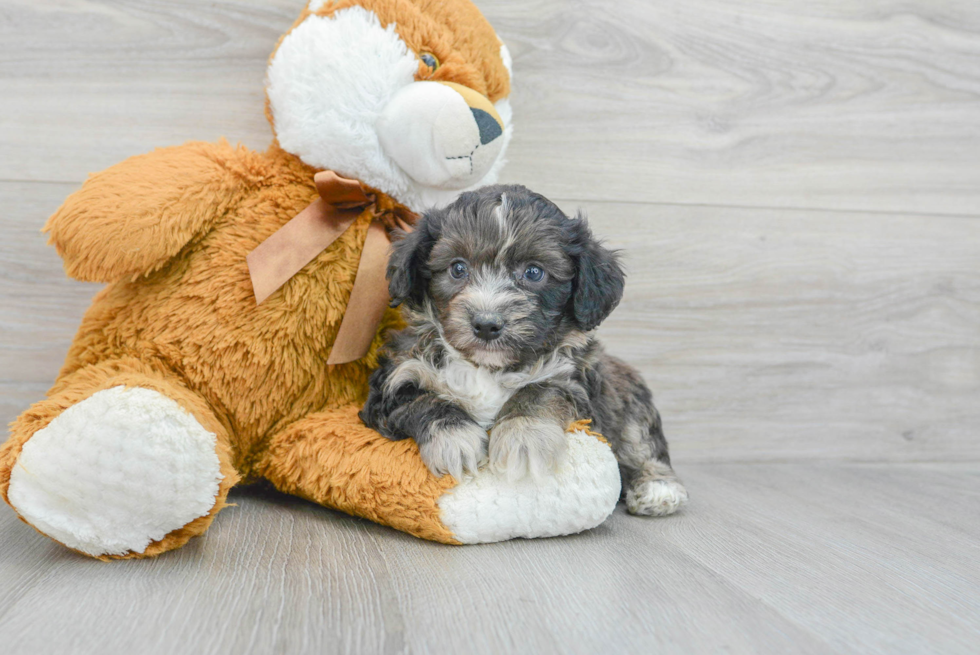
(579, 496)
(116, 472)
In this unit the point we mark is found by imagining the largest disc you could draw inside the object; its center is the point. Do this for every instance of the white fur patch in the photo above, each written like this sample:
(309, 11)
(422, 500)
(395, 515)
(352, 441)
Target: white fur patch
(500, 212)
(580, 495)
(115, 472)
(656, 497)
(490, 291)
(479, 390)
(329, 82)
(507, 59)
(505, 111)
(431, 133)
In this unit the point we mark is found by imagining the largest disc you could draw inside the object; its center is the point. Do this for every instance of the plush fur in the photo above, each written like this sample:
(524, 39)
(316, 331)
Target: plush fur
(330, 115)
(580, 493)
(117, 471)
(502, 294)
(169, 231)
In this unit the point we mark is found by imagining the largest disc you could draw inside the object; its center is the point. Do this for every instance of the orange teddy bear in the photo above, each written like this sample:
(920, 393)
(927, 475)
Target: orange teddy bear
(178, 384)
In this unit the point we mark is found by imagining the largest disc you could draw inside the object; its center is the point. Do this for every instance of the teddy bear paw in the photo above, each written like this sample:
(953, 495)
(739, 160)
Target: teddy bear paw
(116, 472)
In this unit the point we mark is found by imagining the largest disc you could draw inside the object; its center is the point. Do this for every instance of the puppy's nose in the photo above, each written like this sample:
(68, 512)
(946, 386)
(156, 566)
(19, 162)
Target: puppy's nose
(488, 326)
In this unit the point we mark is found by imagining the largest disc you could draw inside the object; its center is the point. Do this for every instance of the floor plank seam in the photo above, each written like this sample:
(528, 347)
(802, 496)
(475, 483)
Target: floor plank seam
(787, 208)
(7, 180)
(822, 460)
(657, 203)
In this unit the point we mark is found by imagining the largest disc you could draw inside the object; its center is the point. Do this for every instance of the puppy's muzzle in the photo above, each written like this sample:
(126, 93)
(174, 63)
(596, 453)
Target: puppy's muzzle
(488, 326)
(442, 134)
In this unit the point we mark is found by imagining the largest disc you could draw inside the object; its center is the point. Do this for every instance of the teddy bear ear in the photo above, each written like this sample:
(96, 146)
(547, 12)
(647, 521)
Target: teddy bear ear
(407, 273)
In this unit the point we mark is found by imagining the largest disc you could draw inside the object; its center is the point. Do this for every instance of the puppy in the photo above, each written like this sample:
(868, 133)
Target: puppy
(502, 294)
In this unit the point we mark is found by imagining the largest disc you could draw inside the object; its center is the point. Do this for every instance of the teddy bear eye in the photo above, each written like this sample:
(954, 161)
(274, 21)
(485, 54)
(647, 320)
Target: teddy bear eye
(429, 60)
(458, 270)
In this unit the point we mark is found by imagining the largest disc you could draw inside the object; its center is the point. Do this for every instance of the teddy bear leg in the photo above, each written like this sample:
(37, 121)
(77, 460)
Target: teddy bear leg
(332, 458)
(118, 462)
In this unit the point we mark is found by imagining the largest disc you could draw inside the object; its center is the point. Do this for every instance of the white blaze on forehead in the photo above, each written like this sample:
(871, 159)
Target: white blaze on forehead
(500, 212)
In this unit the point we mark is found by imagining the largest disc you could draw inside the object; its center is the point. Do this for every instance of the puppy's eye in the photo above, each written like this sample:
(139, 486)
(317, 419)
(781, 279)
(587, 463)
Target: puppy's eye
(458, 270)
(533, 273)
(429, 60)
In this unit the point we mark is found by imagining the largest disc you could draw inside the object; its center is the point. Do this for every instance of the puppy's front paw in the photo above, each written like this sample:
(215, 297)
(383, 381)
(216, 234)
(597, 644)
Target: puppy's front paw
(525, 445)
(454, 448)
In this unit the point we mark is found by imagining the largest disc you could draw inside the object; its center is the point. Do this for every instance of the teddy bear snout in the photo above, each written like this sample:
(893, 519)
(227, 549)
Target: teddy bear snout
(443, 135)
(490, 127)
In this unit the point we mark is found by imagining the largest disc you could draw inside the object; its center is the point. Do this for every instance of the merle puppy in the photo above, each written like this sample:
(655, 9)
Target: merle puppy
(502, 293)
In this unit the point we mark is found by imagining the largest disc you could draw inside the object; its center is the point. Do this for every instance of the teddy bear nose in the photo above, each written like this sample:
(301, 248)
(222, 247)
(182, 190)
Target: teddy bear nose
(488, 326)
(489, 127)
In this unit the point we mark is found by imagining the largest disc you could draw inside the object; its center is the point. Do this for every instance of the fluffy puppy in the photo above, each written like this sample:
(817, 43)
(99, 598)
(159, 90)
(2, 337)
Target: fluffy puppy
(502, 293)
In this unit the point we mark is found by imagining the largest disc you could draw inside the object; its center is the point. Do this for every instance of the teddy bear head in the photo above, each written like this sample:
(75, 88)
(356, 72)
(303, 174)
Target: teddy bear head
(408, 96)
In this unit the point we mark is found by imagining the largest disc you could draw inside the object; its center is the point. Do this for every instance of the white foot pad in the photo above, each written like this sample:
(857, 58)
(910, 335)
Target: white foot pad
(656, 497)
(580, 495)
(116, 472)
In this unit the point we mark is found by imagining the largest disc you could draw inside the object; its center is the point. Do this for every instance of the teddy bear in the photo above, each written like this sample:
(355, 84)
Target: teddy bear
(244, 308)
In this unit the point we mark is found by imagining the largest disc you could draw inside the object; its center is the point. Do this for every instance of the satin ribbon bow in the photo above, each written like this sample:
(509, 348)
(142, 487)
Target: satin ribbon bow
(307, 234)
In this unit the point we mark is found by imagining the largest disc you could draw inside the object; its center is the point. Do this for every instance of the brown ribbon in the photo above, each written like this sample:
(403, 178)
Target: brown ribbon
(306, 235)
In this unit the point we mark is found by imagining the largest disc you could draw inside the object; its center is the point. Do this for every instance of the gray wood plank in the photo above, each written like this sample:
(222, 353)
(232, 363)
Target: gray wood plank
(867, 105)
(871, 558)
(841, 105)
(767, 334)
(768, 558)
(41, 306)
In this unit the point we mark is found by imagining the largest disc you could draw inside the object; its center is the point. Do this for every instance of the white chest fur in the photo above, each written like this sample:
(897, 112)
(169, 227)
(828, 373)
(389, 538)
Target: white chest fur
(479, 390)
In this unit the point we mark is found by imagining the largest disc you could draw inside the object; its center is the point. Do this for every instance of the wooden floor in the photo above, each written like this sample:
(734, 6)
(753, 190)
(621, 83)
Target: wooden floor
(796, 187)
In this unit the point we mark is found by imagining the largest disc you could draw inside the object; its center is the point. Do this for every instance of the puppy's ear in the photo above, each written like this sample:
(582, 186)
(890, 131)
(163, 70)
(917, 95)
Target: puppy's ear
(407, 273)
(599, 278)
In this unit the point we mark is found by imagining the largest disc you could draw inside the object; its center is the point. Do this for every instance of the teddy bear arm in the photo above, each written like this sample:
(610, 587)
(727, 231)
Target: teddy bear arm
(332, 458)
(131, 218)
